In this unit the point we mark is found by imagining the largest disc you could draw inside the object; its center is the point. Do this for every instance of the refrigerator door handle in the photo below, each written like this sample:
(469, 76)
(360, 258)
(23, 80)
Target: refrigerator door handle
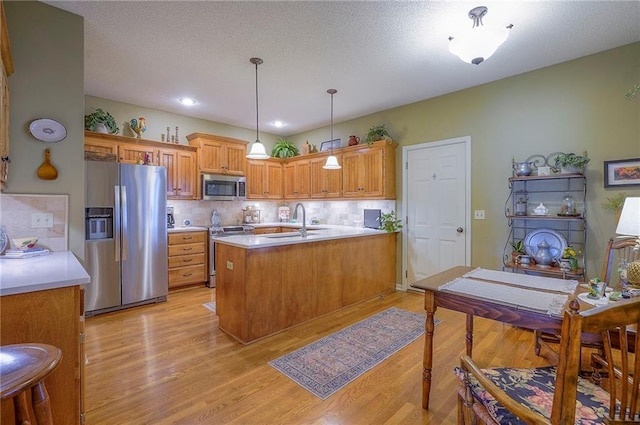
(117, 221)
(124, 223)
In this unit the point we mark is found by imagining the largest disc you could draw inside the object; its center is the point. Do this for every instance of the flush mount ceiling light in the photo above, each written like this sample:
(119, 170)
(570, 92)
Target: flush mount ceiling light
(477, 44)
(187, 101)
(278, 124)
(257, 148)
(332, 161)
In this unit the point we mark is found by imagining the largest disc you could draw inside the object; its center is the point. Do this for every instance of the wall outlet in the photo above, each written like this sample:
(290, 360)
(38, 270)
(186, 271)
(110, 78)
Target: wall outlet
(230, 265)
(479, 214)
(41, 220)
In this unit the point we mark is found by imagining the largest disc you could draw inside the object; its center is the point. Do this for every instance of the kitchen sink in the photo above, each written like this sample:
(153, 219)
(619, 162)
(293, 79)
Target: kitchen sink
(288, 235)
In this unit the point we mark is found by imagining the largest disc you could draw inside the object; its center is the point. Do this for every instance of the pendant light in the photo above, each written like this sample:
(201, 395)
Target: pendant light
(478, 43)
(332, 161)
(258, 150)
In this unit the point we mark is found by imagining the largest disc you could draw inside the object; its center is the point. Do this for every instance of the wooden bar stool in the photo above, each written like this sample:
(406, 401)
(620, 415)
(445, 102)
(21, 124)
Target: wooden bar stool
(23, 367)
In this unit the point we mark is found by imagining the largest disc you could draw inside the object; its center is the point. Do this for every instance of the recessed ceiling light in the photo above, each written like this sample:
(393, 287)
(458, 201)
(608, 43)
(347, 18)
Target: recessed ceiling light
(278, 124)
(187, 101)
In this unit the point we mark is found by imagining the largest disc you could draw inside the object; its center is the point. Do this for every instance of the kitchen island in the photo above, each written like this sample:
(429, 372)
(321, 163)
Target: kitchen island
(41, 300)
(267, 283)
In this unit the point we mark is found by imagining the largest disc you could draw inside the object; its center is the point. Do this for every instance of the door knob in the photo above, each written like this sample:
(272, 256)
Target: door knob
(459, 230)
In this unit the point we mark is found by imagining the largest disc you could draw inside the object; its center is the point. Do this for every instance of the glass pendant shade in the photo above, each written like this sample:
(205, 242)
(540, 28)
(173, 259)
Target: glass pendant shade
(332, 163)
(257, 151)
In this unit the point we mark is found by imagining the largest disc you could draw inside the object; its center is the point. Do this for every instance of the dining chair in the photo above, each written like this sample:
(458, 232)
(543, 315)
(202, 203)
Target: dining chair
(618, 249)
(557, 394)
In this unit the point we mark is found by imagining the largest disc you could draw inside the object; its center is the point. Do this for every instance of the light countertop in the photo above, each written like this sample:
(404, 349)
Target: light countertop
(187, 229)
(317, 232)
(51, 271)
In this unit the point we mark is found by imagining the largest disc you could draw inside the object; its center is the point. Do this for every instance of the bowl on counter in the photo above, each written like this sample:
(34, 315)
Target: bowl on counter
(24, 243)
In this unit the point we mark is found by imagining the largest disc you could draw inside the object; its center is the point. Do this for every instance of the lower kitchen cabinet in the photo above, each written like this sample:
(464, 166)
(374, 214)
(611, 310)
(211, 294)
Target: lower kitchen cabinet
(187, 258)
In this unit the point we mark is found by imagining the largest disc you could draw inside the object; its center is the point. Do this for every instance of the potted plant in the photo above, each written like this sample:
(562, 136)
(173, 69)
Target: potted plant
(517, 250)
(284, 149)
(615, 204)
(389, 222)
(101, 121)
(377, 132)
(571, 163)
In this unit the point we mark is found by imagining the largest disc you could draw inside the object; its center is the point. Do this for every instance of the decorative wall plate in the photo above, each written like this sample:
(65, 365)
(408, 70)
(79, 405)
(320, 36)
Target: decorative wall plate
(47, 130)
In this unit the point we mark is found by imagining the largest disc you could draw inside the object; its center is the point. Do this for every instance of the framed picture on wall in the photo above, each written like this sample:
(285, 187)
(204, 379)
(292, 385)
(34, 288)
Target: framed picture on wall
(330, 144)
(622, 172)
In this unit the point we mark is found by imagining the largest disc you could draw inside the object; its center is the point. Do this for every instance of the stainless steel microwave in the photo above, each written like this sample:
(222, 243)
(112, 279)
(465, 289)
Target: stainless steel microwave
(218, 187)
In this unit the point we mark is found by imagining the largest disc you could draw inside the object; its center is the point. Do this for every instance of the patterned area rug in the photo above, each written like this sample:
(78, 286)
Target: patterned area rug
(325, 366)
(210, 306)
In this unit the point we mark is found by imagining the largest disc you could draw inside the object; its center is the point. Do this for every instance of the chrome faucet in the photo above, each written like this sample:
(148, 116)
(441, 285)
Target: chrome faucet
(303, 230)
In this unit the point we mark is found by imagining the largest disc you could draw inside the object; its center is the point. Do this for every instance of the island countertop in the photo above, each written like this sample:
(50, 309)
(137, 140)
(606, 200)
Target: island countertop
(55, 270)
(315, 233)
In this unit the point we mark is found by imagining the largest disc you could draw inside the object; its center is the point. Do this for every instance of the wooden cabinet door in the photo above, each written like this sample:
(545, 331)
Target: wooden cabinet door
(324, 183)
(181, 173)
(264, 179)
(371, 173)
(351, 174)
(100, 146)
(210, 156)
(275, 185)
(236, 158)
(130, 154)
(186, 176)
(297, 179)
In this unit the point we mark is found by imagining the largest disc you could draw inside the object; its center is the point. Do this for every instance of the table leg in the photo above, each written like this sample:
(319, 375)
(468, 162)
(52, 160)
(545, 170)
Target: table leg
(469, 336)
(427, 359)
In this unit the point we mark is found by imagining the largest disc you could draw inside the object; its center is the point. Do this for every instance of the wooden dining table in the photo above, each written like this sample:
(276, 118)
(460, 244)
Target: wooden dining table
(474, 306)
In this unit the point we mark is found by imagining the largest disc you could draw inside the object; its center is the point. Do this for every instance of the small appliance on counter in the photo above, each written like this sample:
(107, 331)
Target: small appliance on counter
(372, 218)
(250, 215)
(171, 221)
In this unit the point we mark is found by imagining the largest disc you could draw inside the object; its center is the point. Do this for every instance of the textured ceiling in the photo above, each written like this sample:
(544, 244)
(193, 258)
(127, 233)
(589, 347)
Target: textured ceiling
(378, 55)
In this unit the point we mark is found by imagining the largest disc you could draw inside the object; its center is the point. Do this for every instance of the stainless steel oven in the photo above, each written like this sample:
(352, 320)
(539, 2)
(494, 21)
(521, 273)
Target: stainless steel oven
(217, 232)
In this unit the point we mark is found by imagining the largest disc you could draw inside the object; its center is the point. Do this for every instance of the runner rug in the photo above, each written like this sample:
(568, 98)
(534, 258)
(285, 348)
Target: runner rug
(210, 306)
(325, 366)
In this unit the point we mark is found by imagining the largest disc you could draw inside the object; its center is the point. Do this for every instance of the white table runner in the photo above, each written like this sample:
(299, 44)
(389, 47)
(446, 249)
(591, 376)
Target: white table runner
(528, 281)
(550, 303)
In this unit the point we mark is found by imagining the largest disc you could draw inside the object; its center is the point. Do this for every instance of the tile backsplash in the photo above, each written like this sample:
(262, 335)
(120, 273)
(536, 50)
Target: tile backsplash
(346, 213)
(16, 215)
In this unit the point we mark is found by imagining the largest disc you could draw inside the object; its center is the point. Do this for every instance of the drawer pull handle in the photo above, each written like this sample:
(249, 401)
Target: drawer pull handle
(186, 260)
(187, 249)
(186, 238)
(187, 274)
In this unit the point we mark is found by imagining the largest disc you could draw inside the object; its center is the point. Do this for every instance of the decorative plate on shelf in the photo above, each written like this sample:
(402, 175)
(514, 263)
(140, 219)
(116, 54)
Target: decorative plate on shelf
(47, 130)
(557, 242)
(3, 240)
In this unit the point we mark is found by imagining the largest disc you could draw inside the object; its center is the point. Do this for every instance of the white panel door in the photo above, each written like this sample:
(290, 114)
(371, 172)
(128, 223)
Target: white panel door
(436, 201)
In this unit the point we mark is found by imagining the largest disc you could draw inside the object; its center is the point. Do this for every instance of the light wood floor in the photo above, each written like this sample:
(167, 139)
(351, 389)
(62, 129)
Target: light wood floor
(169, 363)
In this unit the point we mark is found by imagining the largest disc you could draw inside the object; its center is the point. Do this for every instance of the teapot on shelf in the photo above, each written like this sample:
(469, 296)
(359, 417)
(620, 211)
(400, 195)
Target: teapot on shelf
(522, 168)
(544, 255)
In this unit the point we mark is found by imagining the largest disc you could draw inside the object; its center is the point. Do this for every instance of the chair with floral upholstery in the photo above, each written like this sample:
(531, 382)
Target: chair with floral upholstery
(558, 395)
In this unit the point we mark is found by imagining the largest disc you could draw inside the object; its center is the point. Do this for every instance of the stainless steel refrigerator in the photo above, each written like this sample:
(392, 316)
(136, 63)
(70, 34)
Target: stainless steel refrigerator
(125, 235)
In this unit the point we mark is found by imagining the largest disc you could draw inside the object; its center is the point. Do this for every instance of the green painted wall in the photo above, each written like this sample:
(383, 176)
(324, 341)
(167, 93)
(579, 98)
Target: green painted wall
(572, 106)
(47, 45)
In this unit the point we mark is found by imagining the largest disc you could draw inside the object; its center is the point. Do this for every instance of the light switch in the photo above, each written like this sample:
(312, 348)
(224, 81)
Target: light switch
(230, 265)
(479, 214)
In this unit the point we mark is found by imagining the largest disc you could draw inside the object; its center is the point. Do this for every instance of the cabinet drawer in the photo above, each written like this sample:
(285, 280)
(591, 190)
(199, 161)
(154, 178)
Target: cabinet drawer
(188, 248)
(186, 237)
(187, 275)
(263, 230)
(186, 260)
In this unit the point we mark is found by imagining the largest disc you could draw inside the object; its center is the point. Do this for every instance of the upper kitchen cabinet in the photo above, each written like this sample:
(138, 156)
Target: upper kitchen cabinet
(264, 179)
(220, 155)
(7, 69)
(180, 160)
(369, 171)
(325, 183)
(181, 173)
(296, 179)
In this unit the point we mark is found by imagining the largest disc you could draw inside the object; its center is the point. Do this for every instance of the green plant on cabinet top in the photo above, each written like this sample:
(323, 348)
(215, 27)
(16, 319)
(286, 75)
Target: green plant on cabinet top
(377, 132)
(284, 149)
(100, 117)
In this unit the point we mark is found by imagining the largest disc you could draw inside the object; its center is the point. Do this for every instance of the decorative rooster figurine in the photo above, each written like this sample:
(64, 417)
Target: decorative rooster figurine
(138, 126)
